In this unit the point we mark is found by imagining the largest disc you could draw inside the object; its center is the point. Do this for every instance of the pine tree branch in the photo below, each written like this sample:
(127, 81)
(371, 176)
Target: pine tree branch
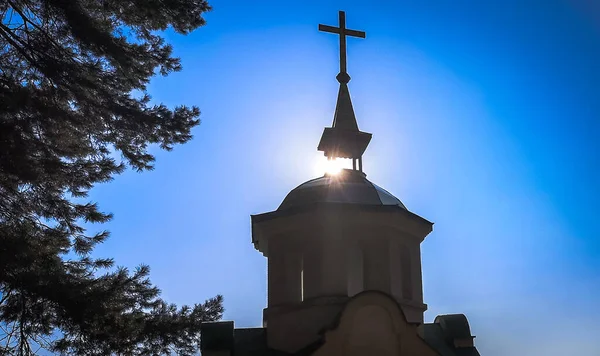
(6, 34)
(26, 19)
(54, 142)
(5, 296)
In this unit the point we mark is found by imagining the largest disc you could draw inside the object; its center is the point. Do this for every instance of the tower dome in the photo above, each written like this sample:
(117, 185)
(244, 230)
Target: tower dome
(346, 187)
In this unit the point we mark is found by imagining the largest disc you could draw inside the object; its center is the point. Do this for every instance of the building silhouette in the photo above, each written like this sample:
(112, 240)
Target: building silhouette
(344, 264)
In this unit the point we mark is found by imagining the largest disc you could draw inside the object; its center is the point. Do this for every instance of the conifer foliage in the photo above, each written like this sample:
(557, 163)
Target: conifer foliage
(73, 77)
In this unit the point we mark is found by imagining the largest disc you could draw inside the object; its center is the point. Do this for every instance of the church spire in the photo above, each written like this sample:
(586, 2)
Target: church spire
(344, 139)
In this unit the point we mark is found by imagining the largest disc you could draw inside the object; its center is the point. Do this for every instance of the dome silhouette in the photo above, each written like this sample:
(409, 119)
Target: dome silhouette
(348, 186)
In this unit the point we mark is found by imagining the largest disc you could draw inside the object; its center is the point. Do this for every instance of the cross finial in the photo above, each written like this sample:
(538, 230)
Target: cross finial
(343, 77)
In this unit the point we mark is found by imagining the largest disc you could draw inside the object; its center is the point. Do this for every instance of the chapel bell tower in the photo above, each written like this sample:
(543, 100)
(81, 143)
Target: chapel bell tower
(336, 236)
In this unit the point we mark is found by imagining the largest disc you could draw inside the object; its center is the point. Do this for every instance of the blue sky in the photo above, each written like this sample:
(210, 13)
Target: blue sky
(485, 118)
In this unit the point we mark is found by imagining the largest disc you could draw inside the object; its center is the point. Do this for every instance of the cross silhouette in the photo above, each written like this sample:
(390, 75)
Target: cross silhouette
(343, 32)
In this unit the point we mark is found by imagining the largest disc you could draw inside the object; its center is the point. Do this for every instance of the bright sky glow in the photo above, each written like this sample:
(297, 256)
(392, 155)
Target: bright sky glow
(484, 117)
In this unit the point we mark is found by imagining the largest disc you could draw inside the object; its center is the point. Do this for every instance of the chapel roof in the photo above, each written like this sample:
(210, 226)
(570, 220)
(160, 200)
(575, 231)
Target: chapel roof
(253, 341)
(437, 336)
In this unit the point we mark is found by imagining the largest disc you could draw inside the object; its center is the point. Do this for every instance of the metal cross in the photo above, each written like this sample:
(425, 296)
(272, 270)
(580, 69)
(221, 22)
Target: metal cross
(343, 32)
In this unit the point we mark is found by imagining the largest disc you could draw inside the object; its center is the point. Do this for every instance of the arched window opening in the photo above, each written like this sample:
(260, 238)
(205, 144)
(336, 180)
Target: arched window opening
(355, 270)
(405, 265)
(302, 279)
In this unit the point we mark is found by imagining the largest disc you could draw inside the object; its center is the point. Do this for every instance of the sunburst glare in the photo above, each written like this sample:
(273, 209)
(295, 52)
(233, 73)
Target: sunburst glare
(333, 166)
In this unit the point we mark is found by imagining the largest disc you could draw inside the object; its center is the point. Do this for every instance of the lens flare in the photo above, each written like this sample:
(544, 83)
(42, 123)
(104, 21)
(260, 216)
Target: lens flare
(330, 167)
(333, 166)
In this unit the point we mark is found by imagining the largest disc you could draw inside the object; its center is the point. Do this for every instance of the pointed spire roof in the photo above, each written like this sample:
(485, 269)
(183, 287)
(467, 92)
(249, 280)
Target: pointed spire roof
(344, 117)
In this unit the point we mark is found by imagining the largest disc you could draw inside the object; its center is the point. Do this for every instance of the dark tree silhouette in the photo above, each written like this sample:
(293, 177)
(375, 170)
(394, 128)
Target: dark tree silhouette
(68, 73)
